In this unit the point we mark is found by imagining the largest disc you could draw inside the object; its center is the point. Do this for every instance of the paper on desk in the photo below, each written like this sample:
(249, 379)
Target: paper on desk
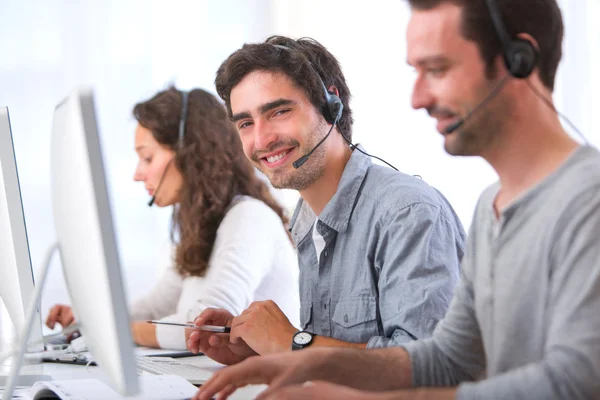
(159, 387)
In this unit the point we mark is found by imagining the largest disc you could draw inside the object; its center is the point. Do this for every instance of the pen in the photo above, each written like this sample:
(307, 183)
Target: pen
(210, 328)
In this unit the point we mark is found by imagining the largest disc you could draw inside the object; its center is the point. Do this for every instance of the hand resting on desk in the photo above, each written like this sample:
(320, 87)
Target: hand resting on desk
(144, 334)
(63, 315)
(216, 345)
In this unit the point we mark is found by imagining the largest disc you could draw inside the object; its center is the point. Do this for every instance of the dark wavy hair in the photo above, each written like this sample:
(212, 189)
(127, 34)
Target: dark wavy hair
(305, 58)
(212, 164)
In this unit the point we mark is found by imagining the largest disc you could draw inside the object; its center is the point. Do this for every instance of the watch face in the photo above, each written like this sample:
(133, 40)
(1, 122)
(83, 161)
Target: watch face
(302, 338)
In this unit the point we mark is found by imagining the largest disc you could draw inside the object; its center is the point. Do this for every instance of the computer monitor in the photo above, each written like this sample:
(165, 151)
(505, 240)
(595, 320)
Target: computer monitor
(86, 240)
(16, 274)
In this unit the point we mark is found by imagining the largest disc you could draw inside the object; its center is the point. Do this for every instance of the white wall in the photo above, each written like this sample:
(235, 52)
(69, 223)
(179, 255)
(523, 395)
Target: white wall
(578, 81)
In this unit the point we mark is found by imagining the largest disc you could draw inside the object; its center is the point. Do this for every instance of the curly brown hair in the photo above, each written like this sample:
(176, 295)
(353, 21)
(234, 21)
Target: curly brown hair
(212, 164)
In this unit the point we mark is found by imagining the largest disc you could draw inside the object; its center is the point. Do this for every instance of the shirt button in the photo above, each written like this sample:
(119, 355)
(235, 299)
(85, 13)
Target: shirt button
(326, 253)
(346, 318)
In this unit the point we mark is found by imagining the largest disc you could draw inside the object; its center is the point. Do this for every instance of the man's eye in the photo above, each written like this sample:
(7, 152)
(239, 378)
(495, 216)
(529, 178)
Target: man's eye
(281, 112)
(244, 125)
(436, 72)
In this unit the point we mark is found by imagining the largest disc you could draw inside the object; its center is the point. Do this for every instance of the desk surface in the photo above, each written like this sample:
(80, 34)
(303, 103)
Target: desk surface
(67, 371)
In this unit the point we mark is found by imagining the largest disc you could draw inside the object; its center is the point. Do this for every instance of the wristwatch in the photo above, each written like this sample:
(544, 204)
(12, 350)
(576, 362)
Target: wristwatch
(302, 339)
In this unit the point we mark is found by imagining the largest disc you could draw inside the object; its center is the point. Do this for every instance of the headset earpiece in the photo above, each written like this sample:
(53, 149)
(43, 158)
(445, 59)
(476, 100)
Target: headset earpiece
(520, 55)
(333, 106)
(521, 58)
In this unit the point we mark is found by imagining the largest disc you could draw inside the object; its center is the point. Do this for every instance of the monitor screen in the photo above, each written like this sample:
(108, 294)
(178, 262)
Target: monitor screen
(86, 239)
(17, 281)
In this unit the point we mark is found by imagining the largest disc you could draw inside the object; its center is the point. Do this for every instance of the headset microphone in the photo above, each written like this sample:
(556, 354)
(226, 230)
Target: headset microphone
(451, 128)
(151, 202)
(298, 163)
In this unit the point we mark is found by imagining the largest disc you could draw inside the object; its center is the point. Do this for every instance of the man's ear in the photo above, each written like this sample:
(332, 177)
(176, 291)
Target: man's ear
(529, 38)
(334, 90)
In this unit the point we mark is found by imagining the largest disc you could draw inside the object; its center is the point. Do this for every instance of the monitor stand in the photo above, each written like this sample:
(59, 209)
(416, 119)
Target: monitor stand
(15, 378)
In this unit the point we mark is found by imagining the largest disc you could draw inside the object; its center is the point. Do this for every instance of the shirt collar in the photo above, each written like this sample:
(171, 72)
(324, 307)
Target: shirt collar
(338, 210)
(530, 195)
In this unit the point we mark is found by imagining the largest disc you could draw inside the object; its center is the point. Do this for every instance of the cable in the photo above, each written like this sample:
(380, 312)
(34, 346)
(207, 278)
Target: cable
(353, 146)
(553, 108)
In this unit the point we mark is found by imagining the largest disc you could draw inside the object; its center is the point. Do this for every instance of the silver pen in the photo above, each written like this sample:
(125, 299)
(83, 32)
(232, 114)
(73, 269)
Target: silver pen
(210, 328)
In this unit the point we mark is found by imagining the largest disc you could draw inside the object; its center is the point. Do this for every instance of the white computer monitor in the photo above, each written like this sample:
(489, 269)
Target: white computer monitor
(86, 240)
(16, 274)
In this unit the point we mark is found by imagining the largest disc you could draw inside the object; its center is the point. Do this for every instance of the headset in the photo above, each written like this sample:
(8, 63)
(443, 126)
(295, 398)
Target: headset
(520, 55)
(332, 112)
(180, 139)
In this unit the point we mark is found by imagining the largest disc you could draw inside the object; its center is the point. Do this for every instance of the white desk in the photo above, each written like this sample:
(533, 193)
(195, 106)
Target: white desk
(67, 371)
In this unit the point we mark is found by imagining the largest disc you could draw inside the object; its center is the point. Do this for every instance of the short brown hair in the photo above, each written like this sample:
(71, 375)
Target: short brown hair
(304, 58)
(212, 164)
(541, 19)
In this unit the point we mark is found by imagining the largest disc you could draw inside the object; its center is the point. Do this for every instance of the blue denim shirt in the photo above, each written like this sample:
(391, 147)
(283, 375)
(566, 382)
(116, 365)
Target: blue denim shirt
(393, 246)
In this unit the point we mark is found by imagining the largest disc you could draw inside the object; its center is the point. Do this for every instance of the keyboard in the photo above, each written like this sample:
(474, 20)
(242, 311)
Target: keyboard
(170, 366)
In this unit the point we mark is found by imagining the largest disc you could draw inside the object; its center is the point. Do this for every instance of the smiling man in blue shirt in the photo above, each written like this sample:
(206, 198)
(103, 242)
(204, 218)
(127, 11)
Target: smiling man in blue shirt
(379, 250)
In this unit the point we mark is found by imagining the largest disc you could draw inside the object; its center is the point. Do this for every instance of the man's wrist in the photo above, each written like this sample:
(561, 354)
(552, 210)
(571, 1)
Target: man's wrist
(283, 342)
(289, 339)
(302, 340)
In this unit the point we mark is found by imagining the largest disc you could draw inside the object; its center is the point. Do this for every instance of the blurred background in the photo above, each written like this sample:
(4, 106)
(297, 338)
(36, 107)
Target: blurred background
(129, 49)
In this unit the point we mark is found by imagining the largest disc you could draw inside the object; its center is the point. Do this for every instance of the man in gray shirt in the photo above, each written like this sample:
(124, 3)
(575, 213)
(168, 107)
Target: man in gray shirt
(379, 251)
(525, 319)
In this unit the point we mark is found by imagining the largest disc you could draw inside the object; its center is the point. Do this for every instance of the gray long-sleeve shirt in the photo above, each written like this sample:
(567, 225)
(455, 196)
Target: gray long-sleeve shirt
(526, 315)
(390, 262)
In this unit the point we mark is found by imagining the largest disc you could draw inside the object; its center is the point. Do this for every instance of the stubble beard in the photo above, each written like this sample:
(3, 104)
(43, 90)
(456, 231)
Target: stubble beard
(480, 132)
(288, 177)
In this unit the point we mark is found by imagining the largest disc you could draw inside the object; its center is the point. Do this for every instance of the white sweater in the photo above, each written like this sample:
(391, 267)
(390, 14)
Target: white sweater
(252, 260)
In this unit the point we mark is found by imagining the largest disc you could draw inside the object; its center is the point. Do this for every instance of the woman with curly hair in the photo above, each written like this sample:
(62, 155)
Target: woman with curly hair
(230, 235)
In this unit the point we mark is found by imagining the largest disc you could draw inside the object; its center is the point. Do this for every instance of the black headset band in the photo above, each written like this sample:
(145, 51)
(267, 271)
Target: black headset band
(183, 116)
(520, 55)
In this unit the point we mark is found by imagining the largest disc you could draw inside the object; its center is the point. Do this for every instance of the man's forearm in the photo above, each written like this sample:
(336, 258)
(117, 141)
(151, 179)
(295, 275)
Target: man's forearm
(374, 370)
(324, 341)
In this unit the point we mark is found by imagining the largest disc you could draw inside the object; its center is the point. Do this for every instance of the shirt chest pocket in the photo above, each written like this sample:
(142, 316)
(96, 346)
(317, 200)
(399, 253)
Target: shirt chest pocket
(306, 315)
(355, 319)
